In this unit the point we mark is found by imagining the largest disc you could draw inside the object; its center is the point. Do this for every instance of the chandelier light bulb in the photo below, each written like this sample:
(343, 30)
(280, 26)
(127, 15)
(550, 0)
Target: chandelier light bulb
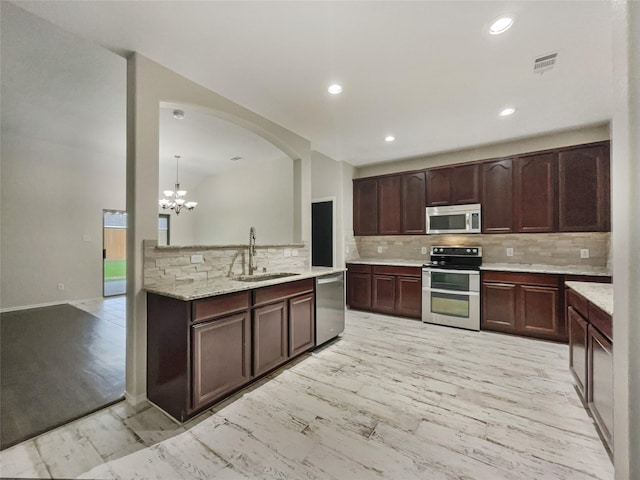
(174, 199)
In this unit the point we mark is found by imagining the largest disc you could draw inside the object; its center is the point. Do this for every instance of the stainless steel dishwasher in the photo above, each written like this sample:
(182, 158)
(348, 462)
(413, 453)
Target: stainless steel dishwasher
(329, 307)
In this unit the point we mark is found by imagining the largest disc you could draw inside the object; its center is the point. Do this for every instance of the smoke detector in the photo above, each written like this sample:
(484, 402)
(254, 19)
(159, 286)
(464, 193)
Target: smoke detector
(545, 62)
(179, 114)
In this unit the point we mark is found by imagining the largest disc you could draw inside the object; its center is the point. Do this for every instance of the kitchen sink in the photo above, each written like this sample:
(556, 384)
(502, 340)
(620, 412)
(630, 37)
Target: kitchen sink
(264, 276)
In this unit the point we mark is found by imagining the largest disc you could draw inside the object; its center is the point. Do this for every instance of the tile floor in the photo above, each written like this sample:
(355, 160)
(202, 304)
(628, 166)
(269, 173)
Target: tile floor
(392, 399)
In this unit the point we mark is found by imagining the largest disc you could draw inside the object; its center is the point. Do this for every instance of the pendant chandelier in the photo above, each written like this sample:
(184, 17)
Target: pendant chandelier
(174, 199)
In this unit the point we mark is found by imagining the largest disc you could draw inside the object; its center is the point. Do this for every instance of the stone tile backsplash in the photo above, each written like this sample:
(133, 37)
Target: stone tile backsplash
(528, 248)
(165, 265)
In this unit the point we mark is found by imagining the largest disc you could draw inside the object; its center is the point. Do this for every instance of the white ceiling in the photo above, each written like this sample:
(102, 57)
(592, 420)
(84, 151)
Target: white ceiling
(425, 71)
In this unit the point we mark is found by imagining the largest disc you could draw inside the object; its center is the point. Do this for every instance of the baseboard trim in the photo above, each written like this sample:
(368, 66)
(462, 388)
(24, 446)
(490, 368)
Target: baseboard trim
(135, 399)
(37, 305)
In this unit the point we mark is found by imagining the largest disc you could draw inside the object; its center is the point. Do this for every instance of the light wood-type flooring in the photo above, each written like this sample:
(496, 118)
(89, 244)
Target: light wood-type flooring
(392, 399)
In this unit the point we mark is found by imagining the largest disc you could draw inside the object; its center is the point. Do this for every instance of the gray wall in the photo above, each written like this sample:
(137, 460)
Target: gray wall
(63, 159)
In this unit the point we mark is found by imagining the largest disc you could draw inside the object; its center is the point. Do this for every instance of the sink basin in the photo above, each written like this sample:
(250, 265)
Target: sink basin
(260, 277)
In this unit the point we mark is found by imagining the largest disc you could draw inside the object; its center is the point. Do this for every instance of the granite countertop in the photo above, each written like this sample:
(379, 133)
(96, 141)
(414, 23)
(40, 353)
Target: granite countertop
(394, 262)
(539, 268)
(600, 294)
(195, 289)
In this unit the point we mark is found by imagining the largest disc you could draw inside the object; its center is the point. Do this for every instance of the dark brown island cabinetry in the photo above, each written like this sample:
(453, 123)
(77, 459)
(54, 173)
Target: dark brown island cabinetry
(535, 193)
(389, 205)
(453, 185)
(526, 304)
(497, 196)
(395, 290)
(591, 359)
(584, 189)
(200, 351)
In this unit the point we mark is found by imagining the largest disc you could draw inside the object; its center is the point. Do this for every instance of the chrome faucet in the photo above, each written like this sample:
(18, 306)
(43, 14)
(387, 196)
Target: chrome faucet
(252, 250)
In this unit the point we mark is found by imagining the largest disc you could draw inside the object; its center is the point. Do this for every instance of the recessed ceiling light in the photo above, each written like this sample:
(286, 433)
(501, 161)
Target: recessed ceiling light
(505, 112)
(500, 25)
(389, 138)
(335, 89)
(179, 114)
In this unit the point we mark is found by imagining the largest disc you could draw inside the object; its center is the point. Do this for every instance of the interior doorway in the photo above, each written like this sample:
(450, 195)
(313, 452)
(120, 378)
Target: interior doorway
(323, 249)
(114, 252)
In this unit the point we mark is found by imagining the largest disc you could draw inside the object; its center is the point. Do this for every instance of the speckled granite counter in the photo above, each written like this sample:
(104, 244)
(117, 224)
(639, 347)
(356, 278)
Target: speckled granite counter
(394, 262)
(561, 270)
(193, 290)
(600, 294)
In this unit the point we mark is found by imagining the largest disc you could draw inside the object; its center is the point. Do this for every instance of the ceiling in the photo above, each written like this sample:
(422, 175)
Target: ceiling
(424, 71)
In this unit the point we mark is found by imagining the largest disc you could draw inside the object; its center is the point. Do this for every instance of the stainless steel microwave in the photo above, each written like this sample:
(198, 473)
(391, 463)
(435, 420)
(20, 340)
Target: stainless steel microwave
(454, 219)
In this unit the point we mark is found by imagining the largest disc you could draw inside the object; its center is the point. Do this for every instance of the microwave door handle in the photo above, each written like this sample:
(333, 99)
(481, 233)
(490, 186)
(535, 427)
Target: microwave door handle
(468, 217)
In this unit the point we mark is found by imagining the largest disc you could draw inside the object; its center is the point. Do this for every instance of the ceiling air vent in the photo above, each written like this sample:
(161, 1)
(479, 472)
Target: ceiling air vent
(544, 63)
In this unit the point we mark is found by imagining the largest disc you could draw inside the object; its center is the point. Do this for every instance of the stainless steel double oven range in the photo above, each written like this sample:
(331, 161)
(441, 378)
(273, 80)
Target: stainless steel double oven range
(451, 287)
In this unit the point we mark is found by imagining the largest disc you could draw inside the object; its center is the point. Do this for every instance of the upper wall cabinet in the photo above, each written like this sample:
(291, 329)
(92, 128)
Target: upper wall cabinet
(535, 193)
(497, 196)
(413, 198)
(453, 185)
(389, 203)
(584, 189)
(365, 206)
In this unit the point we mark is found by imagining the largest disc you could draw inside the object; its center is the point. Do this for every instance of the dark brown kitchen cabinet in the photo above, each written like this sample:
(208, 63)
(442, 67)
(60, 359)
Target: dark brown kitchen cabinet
(578, 349)
(526, 304)
(453, 185)
(389, 205)
(359, 286)
(600, 383)
(395, 290)
(535, 193)
(270, 336)
(301, 324)
(584, 189)
(413, 203)
(365, 206)
(221, 357)
(497, 196)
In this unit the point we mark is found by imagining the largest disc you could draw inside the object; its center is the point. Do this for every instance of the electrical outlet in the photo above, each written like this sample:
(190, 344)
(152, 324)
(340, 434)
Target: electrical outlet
(60, 287)
(509, 252)
(584, 253)
(197, 259)
(287, 252)
(86, 237)
(294, 253)
(346, 249)
(423, 250)
(380, 249)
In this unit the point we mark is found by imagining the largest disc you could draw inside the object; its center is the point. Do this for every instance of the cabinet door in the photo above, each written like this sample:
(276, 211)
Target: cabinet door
(409, 296)
(465, 184)
(499, 307)
(389, 205)
(497, 196)
(270, 337)
(301, 324)
(438, 186)
(578, 350)
(413, 203)
(221, 357)
(359, 290)
(365, 206)
(384, 293)
(584, 189)
(600, 383)
(535, 198)
(539, 312)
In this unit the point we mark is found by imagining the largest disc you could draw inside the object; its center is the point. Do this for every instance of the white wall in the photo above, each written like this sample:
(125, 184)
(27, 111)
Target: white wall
(63, 159)
(259, 195)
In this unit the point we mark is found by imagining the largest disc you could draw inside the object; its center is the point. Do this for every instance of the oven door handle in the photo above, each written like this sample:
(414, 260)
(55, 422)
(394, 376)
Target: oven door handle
(442, 270)
(452, 292)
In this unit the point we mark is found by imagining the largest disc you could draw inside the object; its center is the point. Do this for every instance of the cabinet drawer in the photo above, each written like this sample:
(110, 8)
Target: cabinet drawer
(397, 270)
(601, 320)
(281, 291)
(578, 302)
(218, 306)
(542, 279)
(357, 268)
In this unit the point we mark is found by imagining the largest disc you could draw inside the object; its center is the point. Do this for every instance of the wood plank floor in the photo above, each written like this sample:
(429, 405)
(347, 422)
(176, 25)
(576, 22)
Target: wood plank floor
(393, 399)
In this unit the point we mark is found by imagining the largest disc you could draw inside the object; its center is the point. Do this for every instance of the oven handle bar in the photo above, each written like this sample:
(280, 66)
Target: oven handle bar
(442, 270)
(451, 292)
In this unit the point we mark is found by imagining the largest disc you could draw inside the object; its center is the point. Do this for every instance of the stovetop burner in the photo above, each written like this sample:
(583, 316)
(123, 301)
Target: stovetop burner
(455, 258)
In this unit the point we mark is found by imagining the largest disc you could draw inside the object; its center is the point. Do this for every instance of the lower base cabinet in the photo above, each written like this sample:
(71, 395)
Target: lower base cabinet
(525, 304)
(201, 351)
(600, 384)
(393, 290)
(578, 349)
